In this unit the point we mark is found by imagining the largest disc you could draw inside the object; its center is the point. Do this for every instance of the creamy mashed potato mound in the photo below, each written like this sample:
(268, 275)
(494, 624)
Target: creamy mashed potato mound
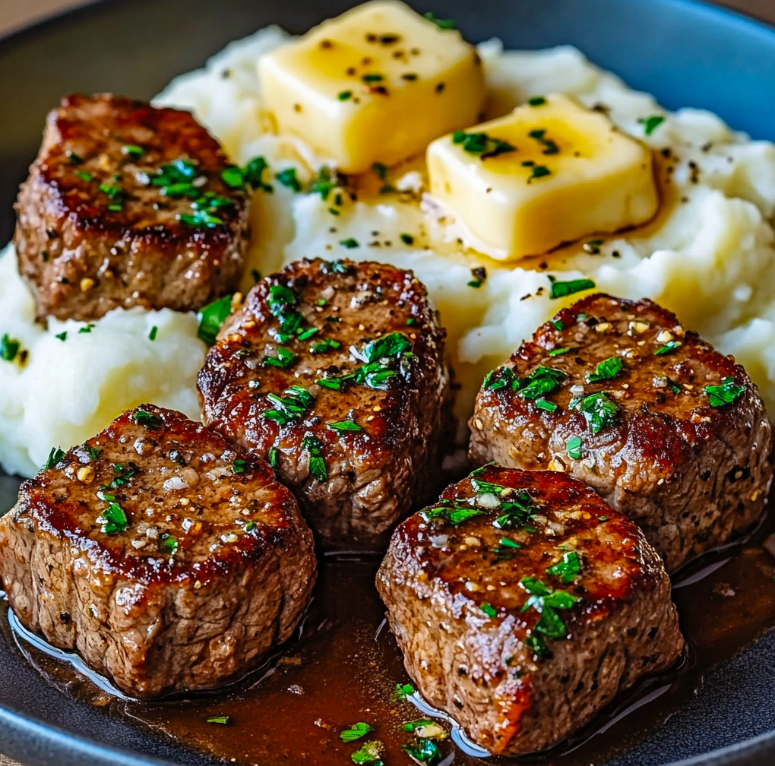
(709, 256)
(72, 386)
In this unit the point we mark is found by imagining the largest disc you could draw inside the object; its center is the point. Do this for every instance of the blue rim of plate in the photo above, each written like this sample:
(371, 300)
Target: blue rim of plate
(47, 743)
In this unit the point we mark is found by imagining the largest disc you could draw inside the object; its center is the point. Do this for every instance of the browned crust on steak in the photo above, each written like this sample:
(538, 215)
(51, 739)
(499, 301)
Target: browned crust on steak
(374, 475)
(455, 602)
(158, 616)
(82, 259)
(690, 474)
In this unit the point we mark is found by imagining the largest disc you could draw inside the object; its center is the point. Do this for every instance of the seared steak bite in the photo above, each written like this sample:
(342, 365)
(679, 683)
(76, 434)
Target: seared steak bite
(125, 206)
(167, 559)
(334, 373)
(524, 604)
(660, 424)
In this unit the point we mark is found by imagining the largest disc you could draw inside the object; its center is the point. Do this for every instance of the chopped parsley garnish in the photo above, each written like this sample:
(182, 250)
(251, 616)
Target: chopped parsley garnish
(211, 317)
(593, 246)
(288, 178)
(550, 147)
(281, 301)
(424, 751)
(543, 404)
(345, 425)
(9, 348)
(540, 382)
(169, 544)
(451, 513)
(326, 344)
(153, 333)
(547, 602)
(200, 219)
(123, 475)
(414, 725)
(368, 754)
(92, 452)
(443, 24)
(253, 174)
(381, 170)
(291, 406)
(84, 176)
(479, 275)
(232, 177)
(606, 370)
(239, 466)
(407, 239)
(274, 457)
(599, 410)
(561, 289)
(61, 336)
(85, 329)
(573, 447)
(558, 351)
(501, 377)
(539, 171)
(53, 458)
(668, 348)
(506, 549)
(481, 145)
(384, 358)
(133, 151)
(317, 464)
(372, 77)
(285, 358)
(489, 610)
(516, 514)
(115, 520)
(567, 568)
(323, 183)
(307, 334)
(402, 692)
(220, 719)
(147, 419)
(356, 731)
(536, 101)
(650, 124)
(345, 95)
(250, 526)
(350, 243)
(75, 159)
(727, 393)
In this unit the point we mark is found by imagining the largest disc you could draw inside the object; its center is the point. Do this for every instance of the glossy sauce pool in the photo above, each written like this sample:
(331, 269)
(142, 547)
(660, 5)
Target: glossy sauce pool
(345, 665)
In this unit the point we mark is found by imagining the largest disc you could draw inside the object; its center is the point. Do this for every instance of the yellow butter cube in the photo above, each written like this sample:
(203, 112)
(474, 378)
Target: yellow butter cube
(377, 84)
(550, 172)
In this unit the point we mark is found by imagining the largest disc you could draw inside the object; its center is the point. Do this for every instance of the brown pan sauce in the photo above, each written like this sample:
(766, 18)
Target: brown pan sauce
(343, 667)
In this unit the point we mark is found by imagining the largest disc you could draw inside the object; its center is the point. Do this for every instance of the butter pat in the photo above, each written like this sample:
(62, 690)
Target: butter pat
(377, 84)
(546, 174)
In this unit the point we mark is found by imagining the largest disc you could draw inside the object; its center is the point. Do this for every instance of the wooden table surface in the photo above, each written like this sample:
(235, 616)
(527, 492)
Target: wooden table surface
(17, 13)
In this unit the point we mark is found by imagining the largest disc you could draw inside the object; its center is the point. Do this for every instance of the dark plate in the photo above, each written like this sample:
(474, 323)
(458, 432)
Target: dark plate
(686, 54)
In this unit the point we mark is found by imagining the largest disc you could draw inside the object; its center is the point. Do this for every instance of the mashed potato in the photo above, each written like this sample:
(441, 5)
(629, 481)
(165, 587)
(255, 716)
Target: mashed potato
(70, 389)
(710, 256)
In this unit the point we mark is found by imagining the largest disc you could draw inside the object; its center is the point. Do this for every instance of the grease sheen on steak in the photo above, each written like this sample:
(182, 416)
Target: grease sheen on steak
(689, 473)
(524, 604)
(98, 229)
(353, 485)
(167, 559)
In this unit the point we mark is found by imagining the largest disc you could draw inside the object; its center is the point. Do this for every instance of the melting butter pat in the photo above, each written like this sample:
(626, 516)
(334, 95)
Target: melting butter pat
(377, 84)
(546, 174)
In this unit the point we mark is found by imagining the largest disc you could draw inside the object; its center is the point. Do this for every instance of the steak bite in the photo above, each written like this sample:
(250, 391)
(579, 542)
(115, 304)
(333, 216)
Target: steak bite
(125, 206)
(524, 604)
(168, 560)
(661, 425)
(334, 372)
